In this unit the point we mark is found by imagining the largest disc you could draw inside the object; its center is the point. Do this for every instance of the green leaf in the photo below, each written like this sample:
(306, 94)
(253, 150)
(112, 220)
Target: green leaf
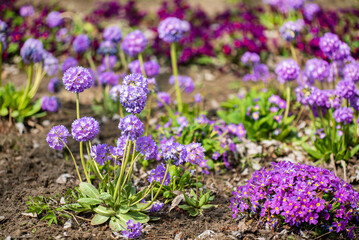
(190, 201)
(104, 211)
(117, 225)
(136, 216)
(106, 197)
(185, 207)
(314, 153)
(208, 206)
(354, 150)
(99, 219)
(4, 112)
(89, 190)
(90, 201)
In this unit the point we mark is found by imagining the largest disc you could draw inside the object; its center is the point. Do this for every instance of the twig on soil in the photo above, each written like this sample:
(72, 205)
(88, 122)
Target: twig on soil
(72, 216)
(322, 235)
(344, 170)
(333, 164)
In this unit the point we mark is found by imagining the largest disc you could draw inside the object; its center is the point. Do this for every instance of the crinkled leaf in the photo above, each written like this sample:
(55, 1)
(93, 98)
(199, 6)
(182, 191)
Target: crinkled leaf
(90, 201)
(117, 225)
(89, 190)
(104, 211)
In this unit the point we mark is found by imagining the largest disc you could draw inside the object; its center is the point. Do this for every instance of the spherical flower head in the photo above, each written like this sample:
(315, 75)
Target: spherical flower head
(115, 93)
(152, 68)
(27, 10)
(329, 43)
(237, 130)
(334, 99)
(289, 30)
(131, 127)
(174, 151)
(85, 129)
(57, 136)
(197, 98)
(54, 85)
(133, 229)
(110, 62)
(77, 79)
(50, 104)
(137, 80)
(3, 27)
(68, 63)
(99, 153)
(81, 43)
(132, 98)
(163, 97)
(147, 147)
(32, 50)
(287, 70)
(134, 43)
(345, 88)
(186, 83)
(109, 78)
(51, 65)
(250, 58)
(354, 101)
(54, 19)
(343, 115)
(310, 10)
(107, 48)
(304, 94)
(157, 175)
(63, 36)
(195, 153)
(316, 69)
(112, 33)
(342, 52)
(157, 206)
(170, 29)
(351, 72)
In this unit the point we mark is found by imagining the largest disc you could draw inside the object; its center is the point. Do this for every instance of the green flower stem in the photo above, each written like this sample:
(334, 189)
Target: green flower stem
(322, 121)
(334, 123)
(29, 82)
(294, 55)
(158, 191)
(107, 60)
(93, 162)
(0, 63)
(149, 114)
(121, 110)
(313, 118)
(140, 58)
(77, 170)
(40, 74)
(92, 64)
(299, 116)
(175, 74)
(78, 105)
(122, 170)
(128, 174)
(355, 127)
(83, 163)
(197, 183)
(123, 60)
(288, 104)
(81, 143)
(147, 191)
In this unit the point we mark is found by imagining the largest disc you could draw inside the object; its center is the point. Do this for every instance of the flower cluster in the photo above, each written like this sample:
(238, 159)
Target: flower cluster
(351, 72)
(51, 65)
(108, 78)
(152, 68)
(298, 194)
(147, 147)
(173, 151)
(316, 69)
(157, 175)
(32, 51)
(112, 33)
(85, 129)
(50, 104)
(57, 137)
(170, 29)
(81, 43)
(163, 97)
(54, 85)
(68, 63)
(186, 83)
(107, 48)
(287, 70)
(131, 127)
(250, 58)
(27, 10)
(343, 115)
(133, 229)
(54, 19)
(77, 79)
(195, 153)
(100, 153)
(290, 30)
(134, 43)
